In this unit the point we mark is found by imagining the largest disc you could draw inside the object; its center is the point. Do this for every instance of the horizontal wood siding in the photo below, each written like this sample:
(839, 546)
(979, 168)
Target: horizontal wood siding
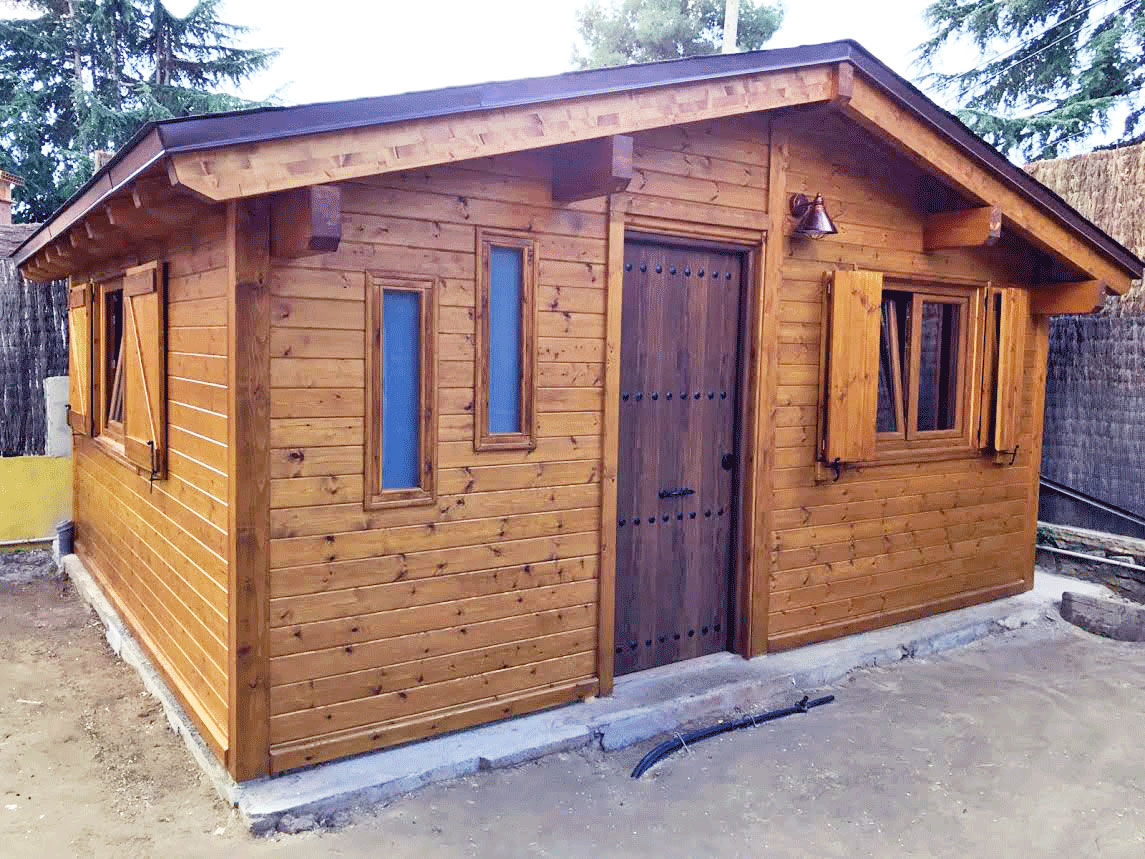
(159, 548)
(887, 543)
(393, 625)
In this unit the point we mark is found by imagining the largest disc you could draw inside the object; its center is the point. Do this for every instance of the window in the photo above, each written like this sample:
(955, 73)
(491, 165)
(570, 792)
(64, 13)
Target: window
(400, 391)
(504, 381)
(128, 367)
(922, 367)
(110, 365)
(914, 370)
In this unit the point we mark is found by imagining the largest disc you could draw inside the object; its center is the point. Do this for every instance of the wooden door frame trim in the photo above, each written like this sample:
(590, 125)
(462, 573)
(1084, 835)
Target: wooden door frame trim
(623, 225)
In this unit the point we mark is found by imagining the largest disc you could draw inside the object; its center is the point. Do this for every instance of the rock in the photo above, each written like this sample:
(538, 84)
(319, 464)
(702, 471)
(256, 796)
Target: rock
(1122, 621)
(292, 824)
(337, 820)
(1124, 559)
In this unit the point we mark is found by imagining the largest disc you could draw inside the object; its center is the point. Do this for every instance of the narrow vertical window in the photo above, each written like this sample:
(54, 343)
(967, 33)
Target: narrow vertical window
(400, 394)
(504, 382)
(401, 389)
(109, 364)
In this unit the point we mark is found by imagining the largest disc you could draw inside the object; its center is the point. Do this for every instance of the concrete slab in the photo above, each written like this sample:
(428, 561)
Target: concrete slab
(643, 705)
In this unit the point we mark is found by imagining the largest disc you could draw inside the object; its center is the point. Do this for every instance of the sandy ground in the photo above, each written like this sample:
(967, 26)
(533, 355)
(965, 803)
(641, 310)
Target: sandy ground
(1026, 744)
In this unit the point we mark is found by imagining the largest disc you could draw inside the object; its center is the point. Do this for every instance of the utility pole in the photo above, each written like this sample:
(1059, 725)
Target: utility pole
(731, 25)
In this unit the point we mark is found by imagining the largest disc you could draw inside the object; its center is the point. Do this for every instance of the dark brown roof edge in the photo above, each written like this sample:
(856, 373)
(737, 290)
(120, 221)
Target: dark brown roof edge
(230, 129)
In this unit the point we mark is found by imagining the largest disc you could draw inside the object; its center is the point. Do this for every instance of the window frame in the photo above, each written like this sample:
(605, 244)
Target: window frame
(374, 496)
(108, 432)
(526, 439)
(913, 445)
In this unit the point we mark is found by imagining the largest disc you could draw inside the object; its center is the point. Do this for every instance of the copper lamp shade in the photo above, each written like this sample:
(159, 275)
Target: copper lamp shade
(814, 222)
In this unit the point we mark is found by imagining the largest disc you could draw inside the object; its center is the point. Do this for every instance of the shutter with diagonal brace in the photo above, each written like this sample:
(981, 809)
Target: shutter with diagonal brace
(79, 358)
(1007, 319)
(852, 395)
(145, 386)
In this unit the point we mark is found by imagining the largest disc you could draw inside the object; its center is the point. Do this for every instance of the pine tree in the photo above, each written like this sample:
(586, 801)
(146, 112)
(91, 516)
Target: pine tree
(643, 31)
(1057, 70)
(82, 75)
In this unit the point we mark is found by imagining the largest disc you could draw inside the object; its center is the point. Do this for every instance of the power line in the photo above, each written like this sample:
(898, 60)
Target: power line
(978, 85)
(1004, 54)
(1022, 46)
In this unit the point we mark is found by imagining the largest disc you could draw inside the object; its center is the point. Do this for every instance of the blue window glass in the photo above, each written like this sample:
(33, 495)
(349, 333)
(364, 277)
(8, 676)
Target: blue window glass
(401, 389)
(506, 294)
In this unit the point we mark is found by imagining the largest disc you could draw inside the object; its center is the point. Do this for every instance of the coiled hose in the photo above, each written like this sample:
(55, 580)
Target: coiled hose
(678, 742)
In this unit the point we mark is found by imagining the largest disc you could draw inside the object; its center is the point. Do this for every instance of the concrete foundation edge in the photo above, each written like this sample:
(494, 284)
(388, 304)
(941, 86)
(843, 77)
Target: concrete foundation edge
(312, 797)
(123, 643)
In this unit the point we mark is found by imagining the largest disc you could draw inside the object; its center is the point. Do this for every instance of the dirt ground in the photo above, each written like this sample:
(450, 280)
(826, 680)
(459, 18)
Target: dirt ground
(1024, 744)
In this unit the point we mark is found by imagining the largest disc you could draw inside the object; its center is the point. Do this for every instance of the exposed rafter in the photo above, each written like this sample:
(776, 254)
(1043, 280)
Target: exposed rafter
(966, 228)
(592, 168)
(1055, 299)
(306, 221)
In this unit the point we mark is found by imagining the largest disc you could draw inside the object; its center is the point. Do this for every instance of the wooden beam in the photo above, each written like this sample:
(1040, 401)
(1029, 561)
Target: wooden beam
(844, 84)
(610, 441)
(248, 496)
(306, 221)
(592, 168)
(295, 162)
(122, 213)
(965, 228)
(767, 392)
(1055, 299)
(904, 131)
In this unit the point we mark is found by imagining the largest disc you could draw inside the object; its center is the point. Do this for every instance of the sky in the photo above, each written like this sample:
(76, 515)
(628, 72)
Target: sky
(374, 47)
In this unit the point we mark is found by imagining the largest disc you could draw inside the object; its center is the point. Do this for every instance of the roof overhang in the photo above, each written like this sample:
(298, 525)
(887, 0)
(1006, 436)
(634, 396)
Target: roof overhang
(229, 156)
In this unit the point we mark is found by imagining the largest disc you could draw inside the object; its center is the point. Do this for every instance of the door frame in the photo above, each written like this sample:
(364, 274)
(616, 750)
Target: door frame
(751, 243)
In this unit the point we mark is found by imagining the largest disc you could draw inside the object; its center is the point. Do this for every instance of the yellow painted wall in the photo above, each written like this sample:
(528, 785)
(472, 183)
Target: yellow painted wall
(35, 494)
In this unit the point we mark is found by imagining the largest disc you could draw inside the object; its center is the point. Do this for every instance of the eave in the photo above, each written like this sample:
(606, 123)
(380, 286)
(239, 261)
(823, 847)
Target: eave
(230, 156)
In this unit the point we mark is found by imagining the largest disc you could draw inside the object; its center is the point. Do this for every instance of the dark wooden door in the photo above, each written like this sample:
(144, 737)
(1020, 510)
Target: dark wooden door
(677, 455)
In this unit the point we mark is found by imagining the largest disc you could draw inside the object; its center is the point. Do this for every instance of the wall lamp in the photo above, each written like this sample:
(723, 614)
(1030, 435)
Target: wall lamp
(812, 220)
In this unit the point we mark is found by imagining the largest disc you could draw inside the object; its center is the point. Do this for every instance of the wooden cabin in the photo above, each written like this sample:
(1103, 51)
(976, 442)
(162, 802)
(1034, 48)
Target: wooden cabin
(402, 415)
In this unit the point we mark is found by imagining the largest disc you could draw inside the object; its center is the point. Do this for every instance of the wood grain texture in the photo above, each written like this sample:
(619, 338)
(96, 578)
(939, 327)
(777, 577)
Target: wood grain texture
(606, 626)
(910, 135)
(296, 162)
(1054, 299)
(158, 548)
(890, 541)
(509, 561)
(79, 357)
(248, 440)
(965, 228)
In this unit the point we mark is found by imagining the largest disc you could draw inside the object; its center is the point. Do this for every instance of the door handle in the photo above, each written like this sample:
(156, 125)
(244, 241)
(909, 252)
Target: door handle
(728, 461)
(677, 493)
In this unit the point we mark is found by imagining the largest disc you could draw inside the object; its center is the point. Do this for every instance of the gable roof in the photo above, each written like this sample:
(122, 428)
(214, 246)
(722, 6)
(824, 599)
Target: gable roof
(167, 139)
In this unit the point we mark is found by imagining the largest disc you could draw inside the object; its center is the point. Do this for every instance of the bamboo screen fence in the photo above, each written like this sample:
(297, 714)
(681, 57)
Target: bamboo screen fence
(1095, 395)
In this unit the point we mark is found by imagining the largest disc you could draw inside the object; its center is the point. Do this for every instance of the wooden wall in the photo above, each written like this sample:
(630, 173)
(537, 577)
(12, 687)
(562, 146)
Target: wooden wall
(159, 549)
(892, 542)
(393, 625)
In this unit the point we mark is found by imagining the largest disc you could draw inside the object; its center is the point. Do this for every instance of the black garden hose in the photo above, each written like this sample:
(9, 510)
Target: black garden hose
(678, 742)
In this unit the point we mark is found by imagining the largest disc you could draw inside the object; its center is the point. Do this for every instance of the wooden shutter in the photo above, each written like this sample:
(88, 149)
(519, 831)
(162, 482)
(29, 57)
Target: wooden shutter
(1013, 322)
(79, 358)
(853, 366)
(144, 362)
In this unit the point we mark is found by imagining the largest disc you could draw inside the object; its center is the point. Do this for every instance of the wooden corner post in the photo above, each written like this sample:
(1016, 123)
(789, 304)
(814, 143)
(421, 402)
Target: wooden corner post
(767, 387)
(248, 496)
(617, 207)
